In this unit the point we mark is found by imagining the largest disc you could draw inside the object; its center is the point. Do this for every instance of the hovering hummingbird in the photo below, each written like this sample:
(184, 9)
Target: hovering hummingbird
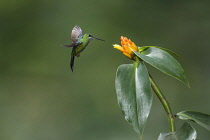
(79, 43)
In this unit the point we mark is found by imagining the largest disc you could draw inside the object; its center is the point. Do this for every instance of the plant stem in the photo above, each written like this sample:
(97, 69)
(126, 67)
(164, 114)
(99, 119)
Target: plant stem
(165, 104)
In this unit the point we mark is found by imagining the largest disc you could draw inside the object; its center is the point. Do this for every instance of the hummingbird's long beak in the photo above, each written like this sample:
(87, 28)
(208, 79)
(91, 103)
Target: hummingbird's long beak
(97, 38)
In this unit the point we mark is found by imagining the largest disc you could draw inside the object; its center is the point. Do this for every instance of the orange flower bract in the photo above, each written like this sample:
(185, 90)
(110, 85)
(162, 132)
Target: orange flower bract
(127, 47)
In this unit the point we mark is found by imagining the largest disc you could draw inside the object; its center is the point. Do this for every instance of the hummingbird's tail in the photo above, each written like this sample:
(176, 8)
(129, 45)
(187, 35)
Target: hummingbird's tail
(72, 61)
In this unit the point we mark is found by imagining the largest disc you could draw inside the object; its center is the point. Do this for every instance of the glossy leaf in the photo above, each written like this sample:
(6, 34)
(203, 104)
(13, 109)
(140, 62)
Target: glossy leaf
(186, 132)
(163, 61)
(134, 94)
(199, 118)
(164, 49)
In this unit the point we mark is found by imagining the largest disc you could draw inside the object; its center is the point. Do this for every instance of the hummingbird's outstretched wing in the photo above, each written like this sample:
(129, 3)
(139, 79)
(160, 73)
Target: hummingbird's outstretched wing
(76, 33)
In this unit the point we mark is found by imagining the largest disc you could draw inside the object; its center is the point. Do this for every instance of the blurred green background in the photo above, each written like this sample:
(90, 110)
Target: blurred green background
(41, 99)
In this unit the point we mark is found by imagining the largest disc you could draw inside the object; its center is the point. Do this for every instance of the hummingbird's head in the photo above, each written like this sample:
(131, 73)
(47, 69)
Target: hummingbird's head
(89, 36)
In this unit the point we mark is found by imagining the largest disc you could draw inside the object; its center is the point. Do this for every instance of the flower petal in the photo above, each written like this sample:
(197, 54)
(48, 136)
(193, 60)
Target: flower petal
(116, 46)
(128, 55)
(133, 47)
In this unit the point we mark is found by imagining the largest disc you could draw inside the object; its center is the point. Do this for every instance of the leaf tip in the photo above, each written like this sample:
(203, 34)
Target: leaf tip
(187, 83)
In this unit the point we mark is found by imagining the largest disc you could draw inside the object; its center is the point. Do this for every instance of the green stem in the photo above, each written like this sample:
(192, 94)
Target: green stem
(165, 105)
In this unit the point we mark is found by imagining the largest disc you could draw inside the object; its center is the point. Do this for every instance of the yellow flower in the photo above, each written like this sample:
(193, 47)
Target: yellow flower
(127, 47)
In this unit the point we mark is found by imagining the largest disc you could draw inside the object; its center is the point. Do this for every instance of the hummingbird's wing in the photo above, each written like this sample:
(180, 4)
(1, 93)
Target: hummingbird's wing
(76, 33)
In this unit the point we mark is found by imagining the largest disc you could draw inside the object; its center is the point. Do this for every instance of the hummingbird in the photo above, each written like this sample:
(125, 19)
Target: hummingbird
(79, 43)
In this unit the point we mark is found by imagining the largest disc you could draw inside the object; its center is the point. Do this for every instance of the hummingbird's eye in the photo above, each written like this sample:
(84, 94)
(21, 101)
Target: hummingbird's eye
(90, 36)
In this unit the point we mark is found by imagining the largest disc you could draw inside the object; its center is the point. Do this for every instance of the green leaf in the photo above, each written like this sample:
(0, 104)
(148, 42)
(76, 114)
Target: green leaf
(134, 94)
(198, 117)
(164, 49)
(163, 61)
(186, 132)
